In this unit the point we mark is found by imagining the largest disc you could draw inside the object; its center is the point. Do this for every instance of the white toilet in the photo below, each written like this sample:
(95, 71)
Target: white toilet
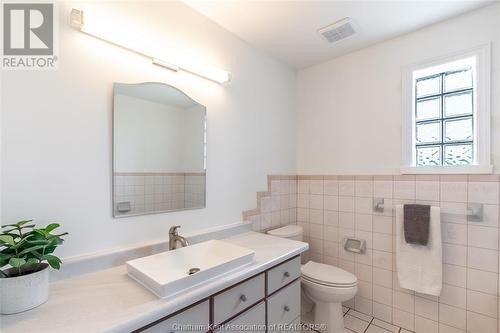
(326, 285)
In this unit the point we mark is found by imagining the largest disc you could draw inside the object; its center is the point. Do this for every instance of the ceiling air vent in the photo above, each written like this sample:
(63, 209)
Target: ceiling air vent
(338, 30)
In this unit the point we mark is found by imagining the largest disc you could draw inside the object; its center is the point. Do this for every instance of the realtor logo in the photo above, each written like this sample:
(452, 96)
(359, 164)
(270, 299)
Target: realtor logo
(28, 29)
(28, 36)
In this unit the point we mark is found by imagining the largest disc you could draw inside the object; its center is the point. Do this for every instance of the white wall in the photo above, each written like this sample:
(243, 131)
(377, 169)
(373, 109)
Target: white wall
(193, 129)
(349, 109)
(56, 125)
(155, 137)
(147, 136)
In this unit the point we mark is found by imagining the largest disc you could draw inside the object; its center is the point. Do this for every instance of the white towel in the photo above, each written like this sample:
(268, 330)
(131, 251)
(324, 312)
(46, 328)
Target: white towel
(420, 268)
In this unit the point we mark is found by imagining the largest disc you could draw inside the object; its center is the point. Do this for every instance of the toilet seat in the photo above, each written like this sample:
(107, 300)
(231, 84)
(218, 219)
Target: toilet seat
(328, 275)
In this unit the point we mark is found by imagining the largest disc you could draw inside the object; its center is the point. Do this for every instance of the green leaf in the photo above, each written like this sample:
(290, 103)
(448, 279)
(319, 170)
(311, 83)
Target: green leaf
(51, 227)
(37, 254)
(31, 249)
(17, 262)
(21, 242)
(53, 261)
(26, 226)
(7, 239)
(39, 242)
(32, 261)
(10, 230)
(40, 232)
(59, 235)
(34, 245)
(50, 249)
(18, 224)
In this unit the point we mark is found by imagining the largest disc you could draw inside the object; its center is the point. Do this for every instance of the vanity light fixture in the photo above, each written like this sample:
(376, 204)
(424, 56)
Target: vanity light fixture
(211, 73)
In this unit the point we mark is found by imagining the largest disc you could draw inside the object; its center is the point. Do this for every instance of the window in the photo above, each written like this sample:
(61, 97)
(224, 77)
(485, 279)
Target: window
(446, 115)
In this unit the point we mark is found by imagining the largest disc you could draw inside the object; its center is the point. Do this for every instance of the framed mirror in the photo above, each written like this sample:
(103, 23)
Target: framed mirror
(159, 150)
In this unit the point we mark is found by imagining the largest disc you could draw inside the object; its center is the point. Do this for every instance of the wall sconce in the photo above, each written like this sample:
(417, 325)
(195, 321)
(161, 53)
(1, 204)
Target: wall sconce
(211, 73)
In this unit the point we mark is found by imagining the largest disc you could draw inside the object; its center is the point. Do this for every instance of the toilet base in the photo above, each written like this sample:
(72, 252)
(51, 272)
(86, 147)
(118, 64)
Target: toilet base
(331, 315)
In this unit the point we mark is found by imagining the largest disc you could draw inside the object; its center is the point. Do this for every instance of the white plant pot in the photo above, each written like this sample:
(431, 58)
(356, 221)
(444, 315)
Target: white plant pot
(21, 293)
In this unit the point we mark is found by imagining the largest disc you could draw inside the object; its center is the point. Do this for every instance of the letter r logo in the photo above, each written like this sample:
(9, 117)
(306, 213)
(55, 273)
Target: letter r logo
(28, 29)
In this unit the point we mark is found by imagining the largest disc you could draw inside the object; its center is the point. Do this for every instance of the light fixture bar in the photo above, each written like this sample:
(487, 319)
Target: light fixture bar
(165, 64)
(211, 73)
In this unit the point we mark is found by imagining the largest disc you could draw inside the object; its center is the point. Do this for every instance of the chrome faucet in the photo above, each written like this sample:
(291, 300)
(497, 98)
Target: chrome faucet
(174, 237)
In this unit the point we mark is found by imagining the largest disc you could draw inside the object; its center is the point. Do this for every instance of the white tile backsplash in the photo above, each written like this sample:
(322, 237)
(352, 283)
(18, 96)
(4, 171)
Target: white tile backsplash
(346, 204)
(484, 237)
(382, 188)
(452, 295)
(483, 259)
(427, 190)
(486, 282)
(149, 193)
(404, 190)
(482, 303)
(426, 308)
(454, 233)
(330, 208)
(455, 275)
(452, 316)
(346, 187)
(483, 192)
(453, 191)
(364, 188)
(478, 323)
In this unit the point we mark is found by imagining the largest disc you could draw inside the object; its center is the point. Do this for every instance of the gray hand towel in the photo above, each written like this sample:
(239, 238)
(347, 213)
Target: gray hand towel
(416, 223)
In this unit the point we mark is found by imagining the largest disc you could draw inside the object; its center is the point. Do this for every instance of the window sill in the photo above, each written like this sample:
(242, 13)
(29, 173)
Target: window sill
(429, 170)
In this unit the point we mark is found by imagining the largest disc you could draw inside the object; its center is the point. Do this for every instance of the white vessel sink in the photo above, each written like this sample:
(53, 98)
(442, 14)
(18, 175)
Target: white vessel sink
(167, 273)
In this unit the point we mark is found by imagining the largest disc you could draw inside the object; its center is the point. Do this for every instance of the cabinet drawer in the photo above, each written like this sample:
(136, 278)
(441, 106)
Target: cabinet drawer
(284, 306)
(283, 274)
(293, 327)
(251, 321)
(194, 316)
(238, 298)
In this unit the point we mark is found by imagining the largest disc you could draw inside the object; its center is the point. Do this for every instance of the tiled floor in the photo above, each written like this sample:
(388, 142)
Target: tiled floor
(357, 322)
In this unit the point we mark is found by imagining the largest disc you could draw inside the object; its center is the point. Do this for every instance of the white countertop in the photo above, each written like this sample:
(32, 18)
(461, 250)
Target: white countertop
(110, 301)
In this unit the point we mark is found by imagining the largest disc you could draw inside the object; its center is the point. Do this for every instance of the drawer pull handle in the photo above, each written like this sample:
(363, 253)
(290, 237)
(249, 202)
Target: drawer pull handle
(243, 298)
(286, 308)
(286, 274)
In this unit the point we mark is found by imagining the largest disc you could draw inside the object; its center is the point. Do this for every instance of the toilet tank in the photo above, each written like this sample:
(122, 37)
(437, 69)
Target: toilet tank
(290, 231)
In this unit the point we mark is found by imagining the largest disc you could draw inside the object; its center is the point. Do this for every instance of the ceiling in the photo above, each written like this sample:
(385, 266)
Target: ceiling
(288, 29)
(156, 92)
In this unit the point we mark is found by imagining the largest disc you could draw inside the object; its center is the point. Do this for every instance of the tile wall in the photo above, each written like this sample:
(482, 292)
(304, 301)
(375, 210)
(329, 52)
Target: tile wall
(275, 207)
(156, 192)
(331, 207)
(194, 190)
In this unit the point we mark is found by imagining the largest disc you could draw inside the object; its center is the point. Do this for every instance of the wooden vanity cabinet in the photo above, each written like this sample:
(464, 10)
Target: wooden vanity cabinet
(266, 302)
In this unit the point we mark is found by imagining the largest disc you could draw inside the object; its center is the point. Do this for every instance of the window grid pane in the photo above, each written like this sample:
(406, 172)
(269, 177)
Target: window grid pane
(458, 151)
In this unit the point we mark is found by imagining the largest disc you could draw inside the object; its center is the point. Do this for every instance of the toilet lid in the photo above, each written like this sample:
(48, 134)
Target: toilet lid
(327, 274)
(286, 231)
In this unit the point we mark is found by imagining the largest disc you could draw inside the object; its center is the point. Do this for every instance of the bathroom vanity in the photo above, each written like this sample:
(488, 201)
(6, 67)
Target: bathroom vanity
(269, 298)
(264, 292)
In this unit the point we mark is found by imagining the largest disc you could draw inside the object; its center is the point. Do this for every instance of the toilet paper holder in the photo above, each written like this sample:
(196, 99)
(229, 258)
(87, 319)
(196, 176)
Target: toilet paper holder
(354, 245)
(378, 205)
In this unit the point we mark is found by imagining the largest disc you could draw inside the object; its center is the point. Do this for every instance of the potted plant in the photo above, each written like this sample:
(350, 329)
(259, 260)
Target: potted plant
(27, 252)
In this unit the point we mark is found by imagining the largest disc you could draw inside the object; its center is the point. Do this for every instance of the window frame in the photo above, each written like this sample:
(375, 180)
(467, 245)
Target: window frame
(480, 117)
